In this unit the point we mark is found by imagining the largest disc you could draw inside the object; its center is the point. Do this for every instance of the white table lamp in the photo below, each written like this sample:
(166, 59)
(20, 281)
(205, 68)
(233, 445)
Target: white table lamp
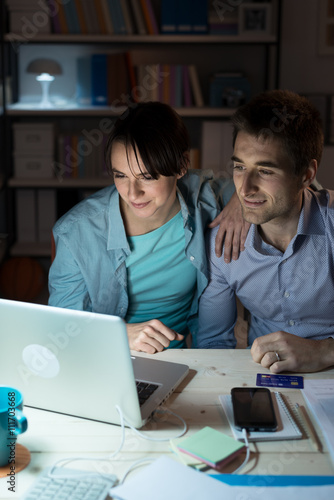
(45, 69)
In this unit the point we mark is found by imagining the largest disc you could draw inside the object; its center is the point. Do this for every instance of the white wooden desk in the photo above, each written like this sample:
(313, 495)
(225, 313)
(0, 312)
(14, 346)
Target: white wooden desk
(212, 372)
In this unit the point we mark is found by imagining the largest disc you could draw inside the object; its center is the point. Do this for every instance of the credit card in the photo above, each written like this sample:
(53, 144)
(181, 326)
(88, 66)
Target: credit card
(289, 381)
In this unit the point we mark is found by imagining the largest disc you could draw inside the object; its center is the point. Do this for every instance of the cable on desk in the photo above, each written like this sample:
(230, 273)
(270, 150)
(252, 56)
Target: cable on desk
(107, 458)
(166, 410)
(244, 463)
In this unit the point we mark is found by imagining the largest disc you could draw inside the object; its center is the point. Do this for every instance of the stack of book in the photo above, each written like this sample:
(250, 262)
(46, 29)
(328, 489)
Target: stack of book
(81, 155)
(112, 79)
(174, 84)
(104, 17)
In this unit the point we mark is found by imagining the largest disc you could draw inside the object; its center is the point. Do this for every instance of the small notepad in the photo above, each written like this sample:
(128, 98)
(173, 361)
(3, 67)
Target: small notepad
(286, 426)
(211, 447)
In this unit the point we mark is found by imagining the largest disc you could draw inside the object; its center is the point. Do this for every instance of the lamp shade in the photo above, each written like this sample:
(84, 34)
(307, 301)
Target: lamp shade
(38, 66)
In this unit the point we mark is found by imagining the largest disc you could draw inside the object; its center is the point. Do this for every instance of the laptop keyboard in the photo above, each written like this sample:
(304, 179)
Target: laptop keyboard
(76, 485)
(145, 389)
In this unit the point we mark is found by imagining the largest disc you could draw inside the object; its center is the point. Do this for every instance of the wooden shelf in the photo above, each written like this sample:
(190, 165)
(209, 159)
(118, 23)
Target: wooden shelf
(88, 183)
(144, 39)
(20, 109)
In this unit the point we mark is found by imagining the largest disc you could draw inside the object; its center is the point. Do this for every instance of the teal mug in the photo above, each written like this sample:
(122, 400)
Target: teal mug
(12, 423)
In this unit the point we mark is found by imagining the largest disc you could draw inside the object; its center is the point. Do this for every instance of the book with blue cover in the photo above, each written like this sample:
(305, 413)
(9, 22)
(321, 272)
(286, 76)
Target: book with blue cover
(99, 79)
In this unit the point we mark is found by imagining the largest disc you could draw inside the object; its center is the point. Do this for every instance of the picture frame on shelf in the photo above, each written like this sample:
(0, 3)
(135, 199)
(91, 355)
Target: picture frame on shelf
(255, 18)
(326, 27)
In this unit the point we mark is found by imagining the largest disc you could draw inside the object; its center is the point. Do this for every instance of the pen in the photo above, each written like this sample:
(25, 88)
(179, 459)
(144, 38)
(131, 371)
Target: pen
(308, 427)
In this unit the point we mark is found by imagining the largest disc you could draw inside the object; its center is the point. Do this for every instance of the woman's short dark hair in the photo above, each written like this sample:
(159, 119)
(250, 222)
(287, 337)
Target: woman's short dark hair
(287, 116)
(157, 134)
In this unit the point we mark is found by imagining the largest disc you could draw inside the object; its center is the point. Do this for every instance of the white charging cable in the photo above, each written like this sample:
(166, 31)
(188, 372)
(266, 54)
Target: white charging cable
(244, 463)
(107, 458)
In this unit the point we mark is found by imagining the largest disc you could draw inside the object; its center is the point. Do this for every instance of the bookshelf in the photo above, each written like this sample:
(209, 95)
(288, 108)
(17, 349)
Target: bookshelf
(255, 53)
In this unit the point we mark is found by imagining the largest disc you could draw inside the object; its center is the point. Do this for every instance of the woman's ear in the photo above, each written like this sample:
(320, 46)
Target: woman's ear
(185, 164)
(310, 173)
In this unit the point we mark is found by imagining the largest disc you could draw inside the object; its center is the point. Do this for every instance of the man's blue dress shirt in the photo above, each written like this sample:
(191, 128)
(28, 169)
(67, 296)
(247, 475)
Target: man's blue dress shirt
(291, 291)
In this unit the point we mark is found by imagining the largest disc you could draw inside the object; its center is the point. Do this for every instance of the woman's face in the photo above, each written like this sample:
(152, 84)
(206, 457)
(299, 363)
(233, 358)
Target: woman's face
(144, 200)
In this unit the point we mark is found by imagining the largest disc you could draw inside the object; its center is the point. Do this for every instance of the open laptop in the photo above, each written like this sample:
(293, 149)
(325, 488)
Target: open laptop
(79, 363)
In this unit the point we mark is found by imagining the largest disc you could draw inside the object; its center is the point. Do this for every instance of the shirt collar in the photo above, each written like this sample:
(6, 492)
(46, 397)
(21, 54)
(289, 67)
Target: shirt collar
(116, 225)
(310, 223)
(116, 231)
(310, 220)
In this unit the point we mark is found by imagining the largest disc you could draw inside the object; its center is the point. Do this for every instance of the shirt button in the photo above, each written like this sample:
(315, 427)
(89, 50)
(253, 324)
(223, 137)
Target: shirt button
(291, 322)
(192, 258)
(286, 294)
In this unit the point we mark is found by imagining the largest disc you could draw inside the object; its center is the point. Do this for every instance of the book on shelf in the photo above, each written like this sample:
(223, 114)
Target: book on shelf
(107, 17)
(72, 17)
(187, 100)
(90, 13)
(149, 17)
(84, 81)
(229, 90)
(129, 27)
(101, 17)
(138, 17)
(81, 17)
(99, 79)
(184, 17)
(195, 86)
(62, 19)
(117, 17)
(168, 17)
(199, 17)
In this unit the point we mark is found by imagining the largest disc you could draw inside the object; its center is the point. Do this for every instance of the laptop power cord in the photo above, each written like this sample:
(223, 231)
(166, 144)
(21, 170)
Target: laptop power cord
(107, 458)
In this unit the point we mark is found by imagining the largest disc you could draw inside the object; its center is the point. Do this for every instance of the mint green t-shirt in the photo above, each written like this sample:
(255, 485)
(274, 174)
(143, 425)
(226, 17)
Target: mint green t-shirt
(161, 280)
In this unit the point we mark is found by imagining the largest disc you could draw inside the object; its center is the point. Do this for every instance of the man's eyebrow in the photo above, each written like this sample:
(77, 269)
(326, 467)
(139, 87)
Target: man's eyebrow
(268, 164)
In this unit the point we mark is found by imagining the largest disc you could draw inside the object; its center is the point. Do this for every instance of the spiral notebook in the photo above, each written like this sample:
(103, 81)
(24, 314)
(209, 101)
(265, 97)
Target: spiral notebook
(286, 425)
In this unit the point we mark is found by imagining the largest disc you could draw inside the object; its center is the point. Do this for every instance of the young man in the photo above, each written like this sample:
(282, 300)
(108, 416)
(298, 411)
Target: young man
(285, 275)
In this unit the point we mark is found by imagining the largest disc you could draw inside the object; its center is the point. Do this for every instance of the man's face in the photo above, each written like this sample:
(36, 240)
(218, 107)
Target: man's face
(266, 186)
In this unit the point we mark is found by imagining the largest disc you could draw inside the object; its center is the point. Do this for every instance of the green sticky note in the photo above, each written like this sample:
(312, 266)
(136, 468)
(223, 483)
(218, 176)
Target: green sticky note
(211, 447)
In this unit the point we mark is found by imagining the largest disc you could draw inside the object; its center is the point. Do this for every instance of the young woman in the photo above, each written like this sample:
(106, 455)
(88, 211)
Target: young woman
(136, 248)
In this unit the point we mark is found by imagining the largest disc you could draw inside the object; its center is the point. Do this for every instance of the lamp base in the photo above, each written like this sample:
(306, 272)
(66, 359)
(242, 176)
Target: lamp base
(45, 83)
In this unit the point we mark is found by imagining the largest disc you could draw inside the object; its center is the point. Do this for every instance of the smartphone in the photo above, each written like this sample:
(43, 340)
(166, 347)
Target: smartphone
(253, 409)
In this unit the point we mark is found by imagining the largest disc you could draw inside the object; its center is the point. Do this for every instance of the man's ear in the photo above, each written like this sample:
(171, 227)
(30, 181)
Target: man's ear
(310, 173)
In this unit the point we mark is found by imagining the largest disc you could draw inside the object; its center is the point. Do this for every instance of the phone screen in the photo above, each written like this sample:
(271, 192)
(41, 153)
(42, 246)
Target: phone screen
(253, 409)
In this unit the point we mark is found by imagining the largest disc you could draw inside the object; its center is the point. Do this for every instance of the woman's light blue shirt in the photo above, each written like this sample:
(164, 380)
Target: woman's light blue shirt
(89, 270)
(166, 291)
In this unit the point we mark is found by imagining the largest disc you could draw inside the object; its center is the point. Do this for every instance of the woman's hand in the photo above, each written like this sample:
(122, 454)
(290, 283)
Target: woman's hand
(232, 228)
(151, 337)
